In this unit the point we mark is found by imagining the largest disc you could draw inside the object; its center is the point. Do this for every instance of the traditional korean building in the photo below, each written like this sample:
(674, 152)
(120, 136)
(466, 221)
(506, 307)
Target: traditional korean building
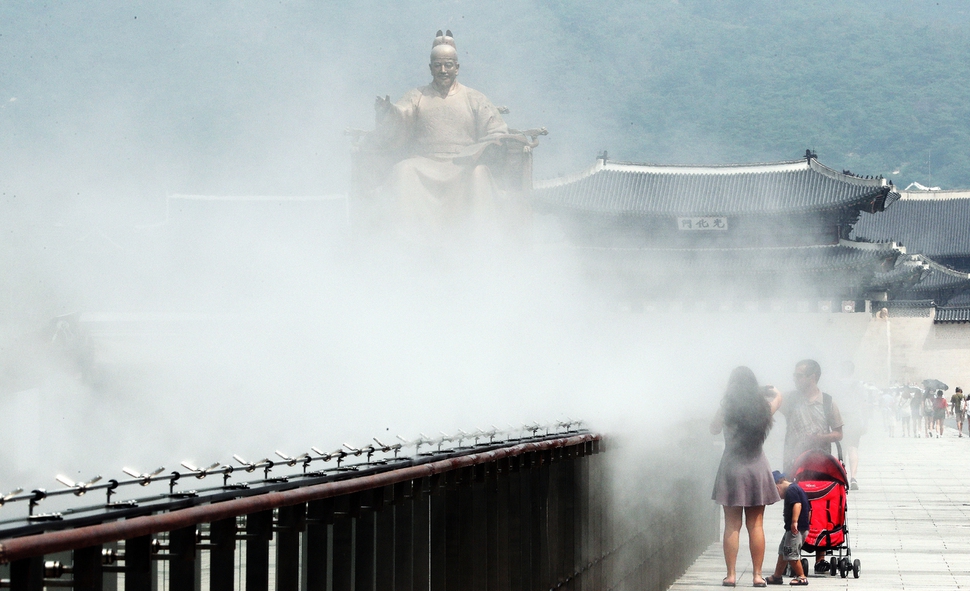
(744, 233)
(794, 203)
(934, 226)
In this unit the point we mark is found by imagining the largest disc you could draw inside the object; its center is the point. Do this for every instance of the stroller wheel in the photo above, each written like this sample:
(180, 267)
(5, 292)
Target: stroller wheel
(833, 566)
(844, 567)
(856, 568)
(805, 566)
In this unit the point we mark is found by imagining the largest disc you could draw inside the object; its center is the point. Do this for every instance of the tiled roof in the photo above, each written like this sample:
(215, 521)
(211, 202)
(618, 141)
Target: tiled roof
(899, 304)
(928, 274)
(916, 277)
(934, 223)
(907, 308)
(960, 300)
(907, 272)
(642, 189)
(952, 315)
(942, 277)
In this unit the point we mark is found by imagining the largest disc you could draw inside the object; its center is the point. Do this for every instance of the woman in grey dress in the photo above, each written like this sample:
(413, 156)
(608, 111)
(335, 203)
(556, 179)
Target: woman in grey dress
(744, 483)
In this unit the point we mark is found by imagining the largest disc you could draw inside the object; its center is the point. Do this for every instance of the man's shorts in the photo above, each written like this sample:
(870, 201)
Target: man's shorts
(791, 545)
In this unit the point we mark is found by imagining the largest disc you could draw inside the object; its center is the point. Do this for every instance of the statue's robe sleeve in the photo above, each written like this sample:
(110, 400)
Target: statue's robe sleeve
(488, 121)
(395, 128)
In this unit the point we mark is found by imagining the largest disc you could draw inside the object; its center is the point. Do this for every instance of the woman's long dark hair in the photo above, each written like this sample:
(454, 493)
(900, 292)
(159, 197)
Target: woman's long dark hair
(746, 410)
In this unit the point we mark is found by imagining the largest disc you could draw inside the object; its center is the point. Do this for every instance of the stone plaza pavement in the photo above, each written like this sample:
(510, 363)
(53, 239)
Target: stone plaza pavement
(909, 522)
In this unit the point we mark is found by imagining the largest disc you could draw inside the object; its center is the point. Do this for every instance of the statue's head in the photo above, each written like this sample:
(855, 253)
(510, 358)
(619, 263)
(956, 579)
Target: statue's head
(444, 60)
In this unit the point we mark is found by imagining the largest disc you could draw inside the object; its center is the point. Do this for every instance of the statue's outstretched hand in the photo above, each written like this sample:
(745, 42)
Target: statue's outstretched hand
(383, 104)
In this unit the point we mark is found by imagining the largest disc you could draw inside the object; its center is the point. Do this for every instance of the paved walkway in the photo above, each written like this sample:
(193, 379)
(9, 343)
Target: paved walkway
(909, 522)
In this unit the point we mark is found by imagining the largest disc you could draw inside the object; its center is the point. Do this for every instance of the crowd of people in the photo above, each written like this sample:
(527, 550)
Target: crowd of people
(745, 483)
(913, 411)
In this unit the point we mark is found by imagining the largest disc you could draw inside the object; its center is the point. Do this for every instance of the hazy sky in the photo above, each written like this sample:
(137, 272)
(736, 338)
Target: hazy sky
(126, 102)
(132, 100)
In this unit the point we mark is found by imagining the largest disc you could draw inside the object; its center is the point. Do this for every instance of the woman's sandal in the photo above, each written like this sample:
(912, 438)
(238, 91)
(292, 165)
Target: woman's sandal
(773, 580)
(799, 581)
(727, 583)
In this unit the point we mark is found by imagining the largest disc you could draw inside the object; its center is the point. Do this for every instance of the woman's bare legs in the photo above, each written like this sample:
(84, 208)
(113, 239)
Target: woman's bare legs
(732, 538)
(754, 521)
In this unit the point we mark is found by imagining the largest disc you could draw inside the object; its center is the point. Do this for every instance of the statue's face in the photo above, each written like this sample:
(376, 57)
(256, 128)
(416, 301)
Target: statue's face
(444, 67)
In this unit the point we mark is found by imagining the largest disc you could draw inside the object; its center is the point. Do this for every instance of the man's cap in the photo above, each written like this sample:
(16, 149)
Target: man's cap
(778, 476)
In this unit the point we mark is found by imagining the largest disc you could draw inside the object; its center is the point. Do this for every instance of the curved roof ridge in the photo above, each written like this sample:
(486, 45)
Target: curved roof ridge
(755, 168)
(569, 178)
(941, 268)
(888, 245)
(791, 186)
(847, 178)
(942, 195)
(865, 246)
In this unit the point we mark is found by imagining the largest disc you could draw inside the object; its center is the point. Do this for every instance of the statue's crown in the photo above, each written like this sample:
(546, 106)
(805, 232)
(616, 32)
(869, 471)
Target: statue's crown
(443, 39)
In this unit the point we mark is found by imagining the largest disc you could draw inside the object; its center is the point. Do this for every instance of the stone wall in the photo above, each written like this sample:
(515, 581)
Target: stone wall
(905, 349)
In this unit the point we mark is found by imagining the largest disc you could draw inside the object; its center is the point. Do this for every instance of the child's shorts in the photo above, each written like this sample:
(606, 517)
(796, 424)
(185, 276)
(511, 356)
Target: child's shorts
(791, 545)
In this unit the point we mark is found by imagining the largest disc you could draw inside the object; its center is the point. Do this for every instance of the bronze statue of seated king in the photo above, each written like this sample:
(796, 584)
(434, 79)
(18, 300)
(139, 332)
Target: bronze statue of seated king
(442, 162)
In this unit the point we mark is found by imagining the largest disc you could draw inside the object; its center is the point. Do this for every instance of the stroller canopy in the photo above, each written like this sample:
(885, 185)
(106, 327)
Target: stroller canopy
(817, 465)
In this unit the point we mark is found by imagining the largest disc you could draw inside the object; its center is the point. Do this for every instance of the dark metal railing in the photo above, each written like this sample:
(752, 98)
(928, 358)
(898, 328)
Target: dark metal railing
(444, 443)
(407, 523)
(525, 511)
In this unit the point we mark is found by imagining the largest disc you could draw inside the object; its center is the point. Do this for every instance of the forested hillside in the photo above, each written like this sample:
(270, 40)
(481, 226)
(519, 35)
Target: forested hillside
(878, 88)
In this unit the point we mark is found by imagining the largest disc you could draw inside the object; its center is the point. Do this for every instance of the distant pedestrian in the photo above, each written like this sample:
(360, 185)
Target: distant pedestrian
(797, 516)
(926, 412)
(916, 408)
(966, 410)
(958, 406)
(744, 484)
(853, 402)
(905, 412)
(939, 412)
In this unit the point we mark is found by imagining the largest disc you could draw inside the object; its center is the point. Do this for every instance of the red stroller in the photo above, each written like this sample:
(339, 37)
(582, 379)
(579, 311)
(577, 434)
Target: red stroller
(824, 481)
